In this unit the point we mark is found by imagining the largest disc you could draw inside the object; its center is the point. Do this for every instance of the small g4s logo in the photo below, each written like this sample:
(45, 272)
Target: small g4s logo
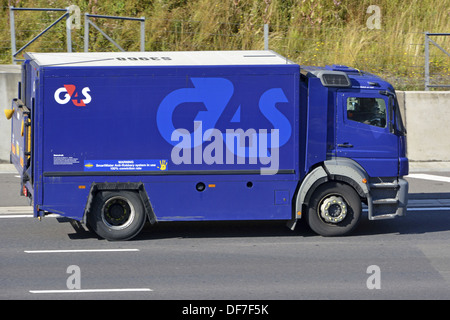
(80, 99)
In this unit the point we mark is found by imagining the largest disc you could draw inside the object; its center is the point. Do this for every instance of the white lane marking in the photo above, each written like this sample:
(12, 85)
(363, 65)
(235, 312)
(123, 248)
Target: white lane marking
(93, 290)
(16, 209)
(421, 209)
(21, 212)
(429, 209)
(431, 177)
(81, 250)
(14, 216)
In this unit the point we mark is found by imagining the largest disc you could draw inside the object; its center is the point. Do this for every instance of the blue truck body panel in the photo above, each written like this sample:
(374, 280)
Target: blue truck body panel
(114, 126)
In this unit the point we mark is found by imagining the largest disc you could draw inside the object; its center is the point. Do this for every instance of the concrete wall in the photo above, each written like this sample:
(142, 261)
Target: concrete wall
(9, 77)
(426, 115)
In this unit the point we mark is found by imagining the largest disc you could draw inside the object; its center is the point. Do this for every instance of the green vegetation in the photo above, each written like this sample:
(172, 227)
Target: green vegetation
(309, 32)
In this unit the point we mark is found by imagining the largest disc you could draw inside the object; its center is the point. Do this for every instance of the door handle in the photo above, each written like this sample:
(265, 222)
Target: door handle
(345, 145)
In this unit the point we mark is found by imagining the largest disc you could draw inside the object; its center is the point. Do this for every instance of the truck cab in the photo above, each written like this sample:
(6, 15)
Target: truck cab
(364, 144)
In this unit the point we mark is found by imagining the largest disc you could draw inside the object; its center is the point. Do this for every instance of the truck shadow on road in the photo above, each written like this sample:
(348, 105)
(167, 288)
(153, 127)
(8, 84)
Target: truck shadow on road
(414, 223)
(222, 229)
(427, 213)
(204, 229)
(421, 219)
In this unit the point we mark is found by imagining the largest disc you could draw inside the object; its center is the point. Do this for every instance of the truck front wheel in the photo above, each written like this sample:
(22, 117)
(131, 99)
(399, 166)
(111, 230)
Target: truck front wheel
(117, 215)
(334, 210)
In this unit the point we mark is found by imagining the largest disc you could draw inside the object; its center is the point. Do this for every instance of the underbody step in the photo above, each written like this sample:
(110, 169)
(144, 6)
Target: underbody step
(385, 201)
(384, 216)
(385, 185)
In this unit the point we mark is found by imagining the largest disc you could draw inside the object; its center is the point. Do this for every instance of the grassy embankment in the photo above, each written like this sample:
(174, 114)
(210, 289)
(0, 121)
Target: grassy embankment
(308, 32)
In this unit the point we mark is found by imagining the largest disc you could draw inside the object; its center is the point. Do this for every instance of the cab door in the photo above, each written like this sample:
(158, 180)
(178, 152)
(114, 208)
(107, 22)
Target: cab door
(364, 132)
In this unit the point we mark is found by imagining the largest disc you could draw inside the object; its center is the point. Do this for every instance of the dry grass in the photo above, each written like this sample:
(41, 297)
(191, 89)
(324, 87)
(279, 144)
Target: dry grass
(309, 32)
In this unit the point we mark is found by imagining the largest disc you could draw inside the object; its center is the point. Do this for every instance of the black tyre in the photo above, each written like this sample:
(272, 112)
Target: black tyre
(117, 215)
(334, 210)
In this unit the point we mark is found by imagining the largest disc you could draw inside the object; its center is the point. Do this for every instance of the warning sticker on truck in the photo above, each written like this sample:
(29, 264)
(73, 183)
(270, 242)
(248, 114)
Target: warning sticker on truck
(61, 159)
(126, 165)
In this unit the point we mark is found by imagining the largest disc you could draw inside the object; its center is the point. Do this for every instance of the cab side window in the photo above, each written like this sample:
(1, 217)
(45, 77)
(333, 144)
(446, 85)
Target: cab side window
(371, 111)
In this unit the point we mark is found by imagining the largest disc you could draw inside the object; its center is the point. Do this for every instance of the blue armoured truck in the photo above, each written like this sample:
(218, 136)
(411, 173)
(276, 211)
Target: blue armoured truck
(114, 140)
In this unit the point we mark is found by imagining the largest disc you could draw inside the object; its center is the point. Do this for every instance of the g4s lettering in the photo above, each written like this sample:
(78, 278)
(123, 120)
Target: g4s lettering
(71, 93)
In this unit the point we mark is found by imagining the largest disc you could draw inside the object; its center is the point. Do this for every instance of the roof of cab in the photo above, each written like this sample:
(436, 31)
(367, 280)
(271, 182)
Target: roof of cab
(359, 79)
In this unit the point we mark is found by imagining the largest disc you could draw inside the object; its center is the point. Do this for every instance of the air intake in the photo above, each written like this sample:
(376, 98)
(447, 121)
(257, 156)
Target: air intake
(334, 79)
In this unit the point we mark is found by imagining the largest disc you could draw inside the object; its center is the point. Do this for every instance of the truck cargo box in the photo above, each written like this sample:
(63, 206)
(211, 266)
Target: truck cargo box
(198, 130)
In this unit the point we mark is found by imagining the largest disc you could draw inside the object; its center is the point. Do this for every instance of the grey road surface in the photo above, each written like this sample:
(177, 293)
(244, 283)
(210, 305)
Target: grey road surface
(403, 258)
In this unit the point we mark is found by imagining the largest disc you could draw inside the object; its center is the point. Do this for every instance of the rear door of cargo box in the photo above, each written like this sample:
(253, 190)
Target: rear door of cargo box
(22, 134)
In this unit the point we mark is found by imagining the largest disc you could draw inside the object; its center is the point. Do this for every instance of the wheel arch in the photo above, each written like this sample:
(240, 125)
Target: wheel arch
(342, 170)
(137, 187)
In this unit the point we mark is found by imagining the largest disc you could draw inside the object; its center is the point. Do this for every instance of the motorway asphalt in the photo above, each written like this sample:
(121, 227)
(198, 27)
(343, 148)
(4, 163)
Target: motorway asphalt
(232, 261)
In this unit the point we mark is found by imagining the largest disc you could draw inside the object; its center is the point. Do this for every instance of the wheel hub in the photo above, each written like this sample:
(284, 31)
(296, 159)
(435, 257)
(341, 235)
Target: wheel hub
(333, 209)
(118, 213)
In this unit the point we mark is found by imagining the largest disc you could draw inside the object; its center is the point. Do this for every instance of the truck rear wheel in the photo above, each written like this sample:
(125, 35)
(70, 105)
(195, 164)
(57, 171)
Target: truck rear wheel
(117, 215)
(334, 210)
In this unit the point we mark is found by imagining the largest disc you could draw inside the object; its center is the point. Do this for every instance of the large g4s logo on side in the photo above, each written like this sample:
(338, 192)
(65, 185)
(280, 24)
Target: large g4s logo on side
(216, 93)
(71, 93)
